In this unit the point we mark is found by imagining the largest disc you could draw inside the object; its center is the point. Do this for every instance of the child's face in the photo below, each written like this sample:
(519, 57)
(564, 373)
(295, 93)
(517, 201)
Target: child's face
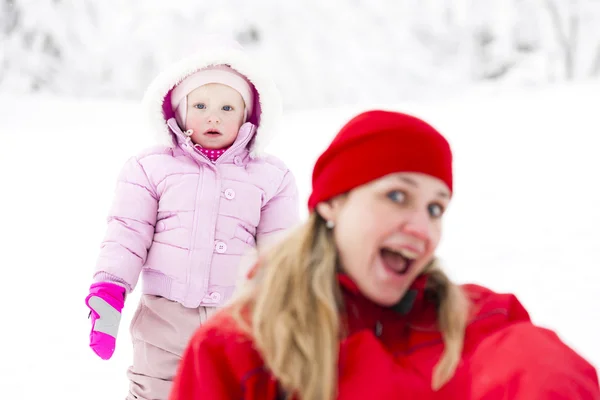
(215, 113)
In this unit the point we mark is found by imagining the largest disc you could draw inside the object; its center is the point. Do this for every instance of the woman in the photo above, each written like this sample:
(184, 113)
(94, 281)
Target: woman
(353, 305)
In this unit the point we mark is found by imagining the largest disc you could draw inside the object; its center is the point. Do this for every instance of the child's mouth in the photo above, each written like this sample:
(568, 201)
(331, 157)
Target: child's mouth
(212, 132)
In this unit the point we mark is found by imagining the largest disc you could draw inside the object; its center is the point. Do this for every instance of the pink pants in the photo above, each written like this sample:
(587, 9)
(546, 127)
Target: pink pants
(160, 330)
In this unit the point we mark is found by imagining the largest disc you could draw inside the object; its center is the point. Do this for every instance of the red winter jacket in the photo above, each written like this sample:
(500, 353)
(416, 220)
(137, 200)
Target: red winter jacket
(390, 355)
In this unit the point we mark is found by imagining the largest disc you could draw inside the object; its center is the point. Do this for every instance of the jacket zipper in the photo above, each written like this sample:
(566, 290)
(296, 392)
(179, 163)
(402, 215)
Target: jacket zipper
(204, 160)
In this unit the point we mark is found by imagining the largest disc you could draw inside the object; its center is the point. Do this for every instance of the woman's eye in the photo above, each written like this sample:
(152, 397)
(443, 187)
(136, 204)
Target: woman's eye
(397, 196)
(227, 108)
(435, 210)
(200, 106)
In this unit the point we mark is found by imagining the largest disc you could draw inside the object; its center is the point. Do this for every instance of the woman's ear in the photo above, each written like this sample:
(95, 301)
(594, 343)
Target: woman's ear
(325, 210)
(329, 209)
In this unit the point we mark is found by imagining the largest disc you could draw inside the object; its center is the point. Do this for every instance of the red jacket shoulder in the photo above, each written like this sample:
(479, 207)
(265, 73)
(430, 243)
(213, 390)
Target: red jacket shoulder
(485, 303)
(220, 362)
(222, 335)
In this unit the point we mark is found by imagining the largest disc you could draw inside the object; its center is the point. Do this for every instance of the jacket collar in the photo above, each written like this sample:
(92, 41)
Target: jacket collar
(238, 148)
(361, 313)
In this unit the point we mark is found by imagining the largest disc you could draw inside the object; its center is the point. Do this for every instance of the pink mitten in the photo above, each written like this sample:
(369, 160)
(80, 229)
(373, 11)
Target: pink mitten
(105, 301)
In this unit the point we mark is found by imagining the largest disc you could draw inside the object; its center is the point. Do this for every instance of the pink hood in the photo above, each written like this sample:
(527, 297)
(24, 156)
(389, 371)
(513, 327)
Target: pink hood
(266, 114)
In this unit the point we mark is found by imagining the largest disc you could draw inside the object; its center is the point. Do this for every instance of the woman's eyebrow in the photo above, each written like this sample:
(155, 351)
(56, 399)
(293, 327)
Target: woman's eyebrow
(408, 180)
(414, 183)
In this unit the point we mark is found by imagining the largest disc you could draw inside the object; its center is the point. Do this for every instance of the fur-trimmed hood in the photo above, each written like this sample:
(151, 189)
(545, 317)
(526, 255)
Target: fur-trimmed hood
(267, 110)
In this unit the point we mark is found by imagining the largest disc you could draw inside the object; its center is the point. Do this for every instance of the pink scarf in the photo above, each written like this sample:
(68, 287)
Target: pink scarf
(212, 154)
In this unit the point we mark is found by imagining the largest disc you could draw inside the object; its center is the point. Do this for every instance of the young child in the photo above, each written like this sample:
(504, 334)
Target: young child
(185, 213)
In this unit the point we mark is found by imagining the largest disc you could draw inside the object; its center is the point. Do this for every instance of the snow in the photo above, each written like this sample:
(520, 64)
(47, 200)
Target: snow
(524, 218)
(321, 54)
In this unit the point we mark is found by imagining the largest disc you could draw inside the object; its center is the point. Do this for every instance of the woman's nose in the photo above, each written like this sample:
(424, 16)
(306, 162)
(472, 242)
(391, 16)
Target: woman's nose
(418, 225)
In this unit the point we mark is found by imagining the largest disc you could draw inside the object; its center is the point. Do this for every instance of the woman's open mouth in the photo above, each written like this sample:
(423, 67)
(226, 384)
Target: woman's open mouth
(398, 261)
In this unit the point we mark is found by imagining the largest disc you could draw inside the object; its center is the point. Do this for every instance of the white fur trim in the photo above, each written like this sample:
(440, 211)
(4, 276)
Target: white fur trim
(270, 101)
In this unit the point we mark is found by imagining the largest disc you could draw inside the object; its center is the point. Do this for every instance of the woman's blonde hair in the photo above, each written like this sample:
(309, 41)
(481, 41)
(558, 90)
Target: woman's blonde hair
(291, 308)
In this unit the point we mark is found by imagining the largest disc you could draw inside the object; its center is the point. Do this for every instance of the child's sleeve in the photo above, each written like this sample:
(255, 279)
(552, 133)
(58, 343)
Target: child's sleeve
(280, 213)
(130, 231)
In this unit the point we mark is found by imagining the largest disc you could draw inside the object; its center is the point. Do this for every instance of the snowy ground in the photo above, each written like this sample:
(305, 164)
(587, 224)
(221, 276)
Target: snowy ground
(524, 219)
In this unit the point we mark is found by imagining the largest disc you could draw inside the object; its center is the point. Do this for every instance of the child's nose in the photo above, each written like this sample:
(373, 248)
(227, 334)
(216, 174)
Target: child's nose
(213, 118)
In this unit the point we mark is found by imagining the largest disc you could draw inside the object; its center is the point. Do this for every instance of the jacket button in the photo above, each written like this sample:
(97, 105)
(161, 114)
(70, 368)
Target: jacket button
(237, 160)
(215, 296)
(220, 247)
(229, 194)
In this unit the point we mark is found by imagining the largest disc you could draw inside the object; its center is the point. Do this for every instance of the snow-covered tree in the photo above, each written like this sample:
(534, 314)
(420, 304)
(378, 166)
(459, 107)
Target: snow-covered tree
(320, 53)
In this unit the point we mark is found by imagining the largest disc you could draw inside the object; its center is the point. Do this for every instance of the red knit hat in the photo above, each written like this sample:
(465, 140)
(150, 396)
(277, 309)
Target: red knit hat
(377, 143)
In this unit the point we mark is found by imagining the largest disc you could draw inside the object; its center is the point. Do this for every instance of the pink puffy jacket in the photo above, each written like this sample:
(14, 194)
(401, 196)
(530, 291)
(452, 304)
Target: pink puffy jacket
(183, 222)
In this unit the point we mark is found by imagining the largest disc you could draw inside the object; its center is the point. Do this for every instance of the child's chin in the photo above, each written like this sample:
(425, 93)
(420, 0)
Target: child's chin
(213, 144)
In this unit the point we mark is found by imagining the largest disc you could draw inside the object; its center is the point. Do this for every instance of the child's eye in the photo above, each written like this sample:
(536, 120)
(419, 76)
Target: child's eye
(397, 196)
(200, 106)
(227, 108)
(435, 210)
